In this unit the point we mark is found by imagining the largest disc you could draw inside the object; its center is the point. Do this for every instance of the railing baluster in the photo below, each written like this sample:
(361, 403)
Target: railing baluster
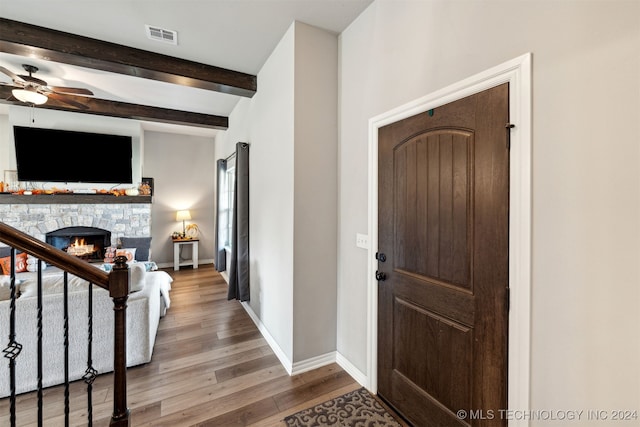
(90, 374)
(39, 327)
(66, 346)
(13, 348)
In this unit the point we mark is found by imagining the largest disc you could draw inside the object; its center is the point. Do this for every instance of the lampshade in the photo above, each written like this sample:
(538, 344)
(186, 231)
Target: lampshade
(183, 215)
(29, 96)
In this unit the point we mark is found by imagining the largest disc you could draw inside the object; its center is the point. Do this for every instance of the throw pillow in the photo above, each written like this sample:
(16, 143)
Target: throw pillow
(142, 245)
(109, 254)
(21, 263)
(32, 264)
(137, 276)
(130, 253)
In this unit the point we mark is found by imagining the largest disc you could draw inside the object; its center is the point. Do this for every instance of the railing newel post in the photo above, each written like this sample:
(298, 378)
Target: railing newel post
(119, 292)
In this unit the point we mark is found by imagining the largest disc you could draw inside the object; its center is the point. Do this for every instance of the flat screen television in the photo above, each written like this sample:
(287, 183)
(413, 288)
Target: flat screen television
(54, 155)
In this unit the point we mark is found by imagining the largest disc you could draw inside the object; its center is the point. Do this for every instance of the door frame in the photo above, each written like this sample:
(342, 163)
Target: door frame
(516, 72)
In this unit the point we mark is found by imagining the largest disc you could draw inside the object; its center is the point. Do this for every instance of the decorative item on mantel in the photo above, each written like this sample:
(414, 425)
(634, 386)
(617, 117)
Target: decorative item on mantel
(146, 186)
(14, 188)
(11, 182)
(133, 191)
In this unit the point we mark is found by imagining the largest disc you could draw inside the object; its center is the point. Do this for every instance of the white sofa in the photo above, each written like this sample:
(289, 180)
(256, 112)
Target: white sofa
(144, 309)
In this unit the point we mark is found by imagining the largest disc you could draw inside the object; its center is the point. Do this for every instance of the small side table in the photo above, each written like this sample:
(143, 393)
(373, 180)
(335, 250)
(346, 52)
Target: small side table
(177, 243)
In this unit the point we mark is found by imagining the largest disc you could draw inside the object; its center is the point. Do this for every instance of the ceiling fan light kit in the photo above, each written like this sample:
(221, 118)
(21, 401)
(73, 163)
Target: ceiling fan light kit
(34, 91)
(29, 95)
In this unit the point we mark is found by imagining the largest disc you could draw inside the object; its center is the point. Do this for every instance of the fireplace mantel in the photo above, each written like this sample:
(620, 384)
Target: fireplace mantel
(70, 199)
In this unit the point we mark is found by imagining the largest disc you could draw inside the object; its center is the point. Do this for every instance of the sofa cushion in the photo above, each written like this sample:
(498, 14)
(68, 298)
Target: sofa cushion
(52, 284)
(142, 245)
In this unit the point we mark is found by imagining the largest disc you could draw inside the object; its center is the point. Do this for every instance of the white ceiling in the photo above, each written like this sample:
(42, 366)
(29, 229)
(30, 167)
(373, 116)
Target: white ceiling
(235, 34)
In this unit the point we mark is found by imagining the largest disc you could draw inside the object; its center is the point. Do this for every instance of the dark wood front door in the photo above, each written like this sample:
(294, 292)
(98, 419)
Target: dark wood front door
(443, 229)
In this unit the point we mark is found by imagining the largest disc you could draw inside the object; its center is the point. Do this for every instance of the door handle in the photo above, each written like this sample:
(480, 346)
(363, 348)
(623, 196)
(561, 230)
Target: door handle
(381, 256)
(381, 276)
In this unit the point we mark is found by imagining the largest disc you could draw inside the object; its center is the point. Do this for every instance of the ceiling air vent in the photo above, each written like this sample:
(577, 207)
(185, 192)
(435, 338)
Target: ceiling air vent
(161, 34)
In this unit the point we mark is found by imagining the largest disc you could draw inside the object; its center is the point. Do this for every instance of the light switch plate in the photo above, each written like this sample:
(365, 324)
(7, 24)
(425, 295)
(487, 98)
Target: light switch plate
(362, 241)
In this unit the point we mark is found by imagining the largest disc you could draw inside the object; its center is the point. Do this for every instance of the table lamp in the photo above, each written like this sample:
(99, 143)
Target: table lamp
(183, 216)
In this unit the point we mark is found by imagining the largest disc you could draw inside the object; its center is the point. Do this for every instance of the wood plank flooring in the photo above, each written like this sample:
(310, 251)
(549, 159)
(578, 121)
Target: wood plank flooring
(210, 367)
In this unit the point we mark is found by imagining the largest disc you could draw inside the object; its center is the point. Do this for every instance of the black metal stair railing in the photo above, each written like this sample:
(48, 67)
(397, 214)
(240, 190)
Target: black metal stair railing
(117, 284)
(13, 349)
(65, 310)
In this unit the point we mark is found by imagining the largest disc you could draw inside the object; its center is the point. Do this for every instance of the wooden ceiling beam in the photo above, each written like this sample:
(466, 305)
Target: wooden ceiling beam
(33, 41)
(124, 110)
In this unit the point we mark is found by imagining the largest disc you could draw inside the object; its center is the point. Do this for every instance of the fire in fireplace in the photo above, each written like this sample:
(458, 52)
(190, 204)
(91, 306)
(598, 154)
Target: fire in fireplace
(79, 248)
(87, 243)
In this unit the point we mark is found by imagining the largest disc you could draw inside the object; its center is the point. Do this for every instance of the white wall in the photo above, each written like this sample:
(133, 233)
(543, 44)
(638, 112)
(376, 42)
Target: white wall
(266, 122)
(183, 169)
(271, 194)
(586, 171)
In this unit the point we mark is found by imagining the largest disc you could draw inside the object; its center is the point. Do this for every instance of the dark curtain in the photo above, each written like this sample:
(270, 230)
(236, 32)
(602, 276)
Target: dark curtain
(239, 263)
(221, 254)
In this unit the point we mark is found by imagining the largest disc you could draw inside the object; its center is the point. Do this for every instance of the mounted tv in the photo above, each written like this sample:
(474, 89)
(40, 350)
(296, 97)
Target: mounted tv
(54, 155)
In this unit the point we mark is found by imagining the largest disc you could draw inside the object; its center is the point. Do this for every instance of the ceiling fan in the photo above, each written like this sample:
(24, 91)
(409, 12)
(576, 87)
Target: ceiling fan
(33, 91)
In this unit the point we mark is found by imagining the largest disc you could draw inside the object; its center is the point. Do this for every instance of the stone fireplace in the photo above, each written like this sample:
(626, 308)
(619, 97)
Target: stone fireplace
(44, 216)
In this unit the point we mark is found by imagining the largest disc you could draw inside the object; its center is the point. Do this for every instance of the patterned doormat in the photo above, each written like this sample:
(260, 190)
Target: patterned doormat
(357, 408)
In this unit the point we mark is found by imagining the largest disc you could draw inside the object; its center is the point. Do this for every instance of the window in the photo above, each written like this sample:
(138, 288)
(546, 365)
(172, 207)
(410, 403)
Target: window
(226, 204)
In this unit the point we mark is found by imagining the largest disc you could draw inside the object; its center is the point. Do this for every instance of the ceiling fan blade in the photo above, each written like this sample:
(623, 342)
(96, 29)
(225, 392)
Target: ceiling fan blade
(70, 90)
(64, 99)
(14, 77)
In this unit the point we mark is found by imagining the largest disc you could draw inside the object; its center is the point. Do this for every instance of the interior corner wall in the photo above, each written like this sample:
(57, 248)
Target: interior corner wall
(291, 124)
(585, 345)
(271, 194)
(315, 192)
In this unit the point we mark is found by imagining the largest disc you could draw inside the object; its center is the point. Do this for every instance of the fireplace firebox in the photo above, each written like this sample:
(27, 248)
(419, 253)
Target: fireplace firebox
(87, 243)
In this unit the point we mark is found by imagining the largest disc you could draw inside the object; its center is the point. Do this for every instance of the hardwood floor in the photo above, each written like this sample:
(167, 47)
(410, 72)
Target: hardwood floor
(210, 367)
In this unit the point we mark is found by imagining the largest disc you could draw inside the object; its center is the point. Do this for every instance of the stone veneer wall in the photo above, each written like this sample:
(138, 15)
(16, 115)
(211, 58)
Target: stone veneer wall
(122, 220)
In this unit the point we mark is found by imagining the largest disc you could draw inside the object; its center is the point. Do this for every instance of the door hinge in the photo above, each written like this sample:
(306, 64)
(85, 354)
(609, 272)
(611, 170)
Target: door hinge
(508, 298)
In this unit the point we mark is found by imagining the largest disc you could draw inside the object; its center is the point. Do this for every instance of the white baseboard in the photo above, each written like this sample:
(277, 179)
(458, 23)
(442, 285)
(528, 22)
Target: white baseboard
(170, 264)
(350, 368)
(313, 363)
(284, 360)
(308, 364)
(304, 365)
